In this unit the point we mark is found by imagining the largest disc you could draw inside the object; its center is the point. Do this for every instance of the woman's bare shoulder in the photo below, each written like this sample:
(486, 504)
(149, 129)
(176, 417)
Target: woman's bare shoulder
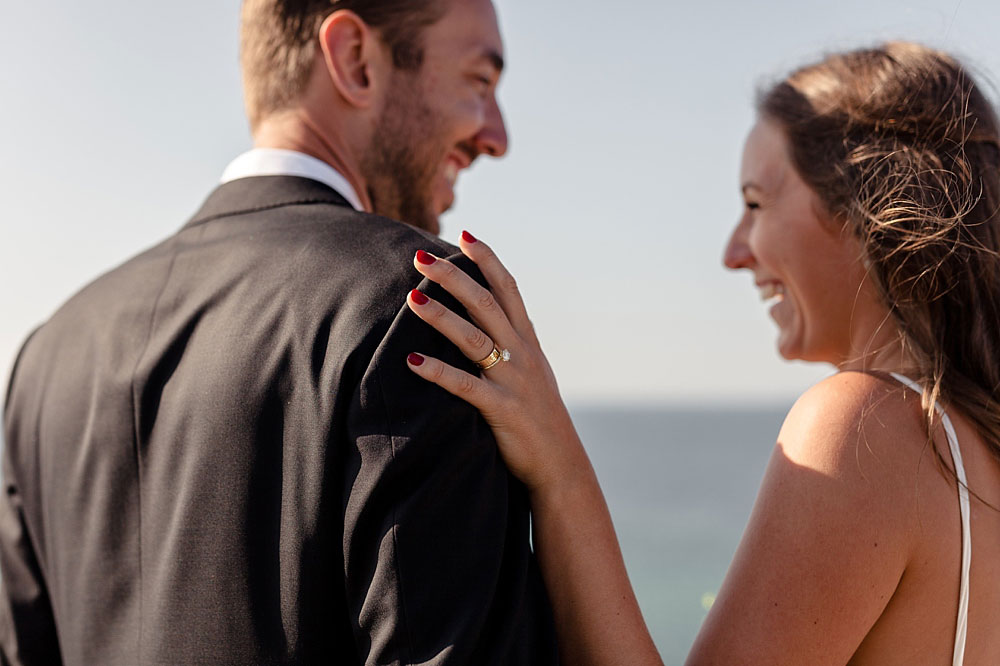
(856, 425)
(831, 532)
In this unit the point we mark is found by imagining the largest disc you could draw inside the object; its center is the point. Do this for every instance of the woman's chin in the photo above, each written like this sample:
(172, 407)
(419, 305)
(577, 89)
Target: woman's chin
(792, 349)
(786, 354)
(789, 346)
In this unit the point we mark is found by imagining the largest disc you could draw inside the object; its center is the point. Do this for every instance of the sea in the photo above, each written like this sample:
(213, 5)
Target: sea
(680, 484)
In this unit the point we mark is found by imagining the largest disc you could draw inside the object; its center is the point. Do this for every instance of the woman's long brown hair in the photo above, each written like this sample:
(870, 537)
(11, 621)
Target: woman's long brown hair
(901, 146)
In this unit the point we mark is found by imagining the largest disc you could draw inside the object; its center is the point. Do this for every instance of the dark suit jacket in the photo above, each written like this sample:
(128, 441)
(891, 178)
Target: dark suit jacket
(215, 454)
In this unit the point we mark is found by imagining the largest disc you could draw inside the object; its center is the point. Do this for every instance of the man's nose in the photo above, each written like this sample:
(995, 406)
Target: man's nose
(738, 254)
(492, 138)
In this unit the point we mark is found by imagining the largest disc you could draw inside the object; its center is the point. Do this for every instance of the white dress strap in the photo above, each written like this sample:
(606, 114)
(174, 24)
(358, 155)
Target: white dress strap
(963, 503)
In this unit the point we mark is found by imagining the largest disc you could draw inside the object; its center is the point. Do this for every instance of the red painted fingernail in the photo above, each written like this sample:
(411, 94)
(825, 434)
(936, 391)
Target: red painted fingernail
(468, 238)
(419, 298)
(415, 359)
(425, 258)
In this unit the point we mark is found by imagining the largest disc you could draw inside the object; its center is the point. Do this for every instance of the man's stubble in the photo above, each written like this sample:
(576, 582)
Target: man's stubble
(405, 156)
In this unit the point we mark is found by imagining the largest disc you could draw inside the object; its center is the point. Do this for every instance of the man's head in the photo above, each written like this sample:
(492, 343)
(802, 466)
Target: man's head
(402, 92)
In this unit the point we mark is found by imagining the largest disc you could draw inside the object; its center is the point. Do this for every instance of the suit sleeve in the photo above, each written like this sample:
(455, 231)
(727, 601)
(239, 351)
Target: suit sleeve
(27, 625)
(438, 565)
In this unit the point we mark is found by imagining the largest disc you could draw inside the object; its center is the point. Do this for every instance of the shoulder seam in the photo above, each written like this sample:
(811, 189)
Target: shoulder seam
(136, 435)
(395, 522)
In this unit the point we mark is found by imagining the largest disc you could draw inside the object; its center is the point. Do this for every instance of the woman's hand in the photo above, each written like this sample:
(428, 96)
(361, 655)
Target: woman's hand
(597, 617)
(517, 397)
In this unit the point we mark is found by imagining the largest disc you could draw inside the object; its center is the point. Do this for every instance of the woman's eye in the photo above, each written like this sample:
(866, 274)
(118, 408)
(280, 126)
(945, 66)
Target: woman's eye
(752, 205)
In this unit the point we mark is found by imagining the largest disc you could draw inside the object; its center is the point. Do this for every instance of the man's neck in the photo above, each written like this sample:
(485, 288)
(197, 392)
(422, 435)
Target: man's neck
(294, 130)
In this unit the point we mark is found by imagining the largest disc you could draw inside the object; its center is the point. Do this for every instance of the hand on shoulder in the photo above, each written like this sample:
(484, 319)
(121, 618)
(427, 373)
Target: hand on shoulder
(516, 391)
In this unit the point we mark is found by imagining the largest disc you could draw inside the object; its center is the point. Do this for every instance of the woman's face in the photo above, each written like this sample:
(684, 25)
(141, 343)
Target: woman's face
(808, 270)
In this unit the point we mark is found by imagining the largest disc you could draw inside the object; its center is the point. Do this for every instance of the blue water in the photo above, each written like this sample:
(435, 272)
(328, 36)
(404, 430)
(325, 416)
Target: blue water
(680, 485)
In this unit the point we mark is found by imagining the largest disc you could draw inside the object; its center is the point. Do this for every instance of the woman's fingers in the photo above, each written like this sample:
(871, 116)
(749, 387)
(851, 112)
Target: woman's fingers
(469, 339)
(459, 383)
(501, 281)
(480, 303)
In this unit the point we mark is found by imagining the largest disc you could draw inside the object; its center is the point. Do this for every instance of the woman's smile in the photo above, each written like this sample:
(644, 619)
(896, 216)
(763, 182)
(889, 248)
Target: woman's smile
(806, 267)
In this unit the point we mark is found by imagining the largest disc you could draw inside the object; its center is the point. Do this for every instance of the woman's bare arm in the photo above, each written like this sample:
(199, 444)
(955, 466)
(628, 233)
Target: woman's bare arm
(597, 617)
(830, 534)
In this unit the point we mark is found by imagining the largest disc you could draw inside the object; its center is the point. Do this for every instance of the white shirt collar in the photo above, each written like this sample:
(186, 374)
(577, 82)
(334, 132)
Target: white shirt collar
(278, 162)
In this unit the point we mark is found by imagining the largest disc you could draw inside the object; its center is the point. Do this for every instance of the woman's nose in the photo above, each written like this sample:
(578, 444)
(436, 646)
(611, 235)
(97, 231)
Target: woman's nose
(738, 254)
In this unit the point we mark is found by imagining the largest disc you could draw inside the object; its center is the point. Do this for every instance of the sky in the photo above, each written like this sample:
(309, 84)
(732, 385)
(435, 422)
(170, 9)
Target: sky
(612, 207)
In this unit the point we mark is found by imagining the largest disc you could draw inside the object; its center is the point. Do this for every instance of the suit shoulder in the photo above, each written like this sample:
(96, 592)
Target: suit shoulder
(320, 259)
(325, 235)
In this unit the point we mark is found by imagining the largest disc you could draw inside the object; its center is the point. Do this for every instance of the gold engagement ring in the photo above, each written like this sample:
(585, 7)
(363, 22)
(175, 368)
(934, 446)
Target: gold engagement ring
(495, 357)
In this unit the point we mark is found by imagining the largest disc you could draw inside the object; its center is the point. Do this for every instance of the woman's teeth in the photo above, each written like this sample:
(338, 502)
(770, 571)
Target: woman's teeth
(772, 292)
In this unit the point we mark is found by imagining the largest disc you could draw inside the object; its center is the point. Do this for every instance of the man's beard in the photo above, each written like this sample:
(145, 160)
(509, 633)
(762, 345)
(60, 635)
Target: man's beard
(405, 156)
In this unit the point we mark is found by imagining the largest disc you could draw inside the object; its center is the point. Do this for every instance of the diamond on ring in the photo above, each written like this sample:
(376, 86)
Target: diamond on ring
(496, 356)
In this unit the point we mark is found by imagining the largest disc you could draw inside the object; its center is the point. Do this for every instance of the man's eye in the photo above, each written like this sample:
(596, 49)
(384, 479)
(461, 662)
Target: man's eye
(752, 205)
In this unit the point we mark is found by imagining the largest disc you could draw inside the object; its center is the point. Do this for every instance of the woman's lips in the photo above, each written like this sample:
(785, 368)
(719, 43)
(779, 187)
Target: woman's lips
(771, 291)
(772, 294)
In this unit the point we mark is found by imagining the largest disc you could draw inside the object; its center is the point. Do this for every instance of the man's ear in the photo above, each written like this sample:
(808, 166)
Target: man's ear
(354, 56)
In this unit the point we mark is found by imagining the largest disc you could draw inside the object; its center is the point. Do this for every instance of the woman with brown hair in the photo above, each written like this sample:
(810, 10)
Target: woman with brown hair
(872, 189)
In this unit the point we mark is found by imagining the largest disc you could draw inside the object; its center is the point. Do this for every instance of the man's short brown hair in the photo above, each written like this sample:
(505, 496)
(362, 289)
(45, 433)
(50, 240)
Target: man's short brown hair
(278, 41)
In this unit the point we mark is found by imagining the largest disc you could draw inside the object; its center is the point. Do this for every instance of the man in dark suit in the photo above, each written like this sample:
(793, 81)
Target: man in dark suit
(216, 453)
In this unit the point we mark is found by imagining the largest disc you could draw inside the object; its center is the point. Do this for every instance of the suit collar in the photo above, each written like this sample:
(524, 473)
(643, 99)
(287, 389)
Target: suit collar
(246, 195)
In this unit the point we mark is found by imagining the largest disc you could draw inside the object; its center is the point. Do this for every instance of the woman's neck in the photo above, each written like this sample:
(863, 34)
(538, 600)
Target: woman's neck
(878, 346)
